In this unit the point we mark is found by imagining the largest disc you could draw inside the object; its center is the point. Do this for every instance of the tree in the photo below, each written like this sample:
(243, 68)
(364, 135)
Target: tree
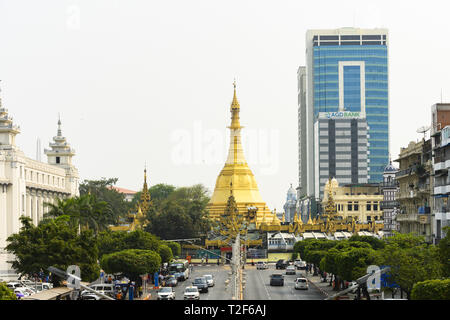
(375, 243)
(131, 263)
(113, 241)
(166, 253)
(53, 243)
(444, 253)
(173, 223)
(6, 293)
(411, 260)
(85, 212)
(175, 247)
(103, 190)
(431, 290)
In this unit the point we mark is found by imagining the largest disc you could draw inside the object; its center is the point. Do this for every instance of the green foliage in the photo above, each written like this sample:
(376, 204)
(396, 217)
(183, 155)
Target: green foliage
(431, 290)
(103, 191)
(85, 211)
(53, 243)
(352, 264)
(6, 293)
(113, 241)
(374, 242)
(132, 263)
(166, 253)
(444, 253)
(175, 247)
(411, 260)
(182, 214)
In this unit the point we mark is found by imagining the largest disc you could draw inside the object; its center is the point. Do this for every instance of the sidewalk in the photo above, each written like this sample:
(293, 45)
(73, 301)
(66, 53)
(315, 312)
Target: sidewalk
(324, 287)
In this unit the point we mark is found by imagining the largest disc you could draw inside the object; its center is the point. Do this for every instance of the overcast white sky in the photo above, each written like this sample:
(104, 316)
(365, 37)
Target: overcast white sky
(150, 82)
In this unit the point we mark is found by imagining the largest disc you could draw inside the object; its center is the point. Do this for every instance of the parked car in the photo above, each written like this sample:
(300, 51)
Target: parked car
(276, 279)
(290, 270)
(14, 285)
(201, 284)
(281, 264)
(166, 293)
(23, 292)
(90, 296)
(104, 288)
(171, 281)
(209, 280)
(301, 283)
(261, 265)
(191, 293)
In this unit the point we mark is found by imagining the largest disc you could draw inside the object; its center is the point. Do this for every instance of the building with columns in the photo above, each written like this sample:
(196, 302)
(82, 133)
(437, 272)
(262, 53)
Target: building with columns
(26, 184)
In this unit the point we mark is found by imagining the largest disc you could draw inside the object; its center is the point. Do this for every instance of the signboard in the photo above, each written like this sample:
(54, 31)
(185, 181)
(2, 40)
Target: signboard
(340, 115)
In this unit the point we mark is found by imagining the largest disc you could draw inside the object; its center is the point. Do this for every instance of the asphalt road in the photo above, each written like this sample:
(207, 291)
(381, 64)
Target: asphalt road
(257, 285)
(220, 291)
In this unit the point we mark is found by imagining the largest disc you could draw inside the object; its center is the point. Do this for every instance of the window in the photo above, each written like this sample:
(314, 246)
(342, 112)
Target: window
(356, 206)
(58, 160)
(375, 206)
(349, 206)
(369, 206)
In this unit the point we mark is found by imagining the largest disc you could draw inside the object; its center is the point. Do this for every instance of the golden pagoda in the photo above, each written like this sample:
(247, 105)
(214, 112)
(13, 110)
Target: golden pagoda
(238, 175)
(137, 217)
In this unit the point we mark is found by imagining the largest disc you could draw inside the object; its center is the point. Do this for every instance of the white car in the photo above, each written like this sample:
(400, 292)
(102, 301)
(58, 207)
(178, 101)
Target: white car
(301, 283)
(191, 293)
(166, 293)
(290, 270)
(299, 264)
(209, 280)
(14, 285)
(261, 265)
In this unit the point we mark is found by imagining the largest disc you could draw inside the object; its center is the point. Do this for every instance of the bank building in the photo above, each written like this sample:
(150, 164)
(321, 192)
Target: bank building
(26, 184)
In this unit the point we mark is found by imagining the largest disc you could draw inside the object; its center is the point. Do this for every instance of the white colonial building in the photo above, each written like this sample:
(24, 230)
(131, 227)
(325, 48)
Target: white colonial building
(26, 184)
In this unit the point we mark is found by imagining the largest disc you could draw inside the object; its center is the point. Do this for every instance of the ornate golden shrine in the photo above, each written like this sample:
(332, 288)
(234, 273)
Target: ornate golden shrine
(137, 217)
(238, 175)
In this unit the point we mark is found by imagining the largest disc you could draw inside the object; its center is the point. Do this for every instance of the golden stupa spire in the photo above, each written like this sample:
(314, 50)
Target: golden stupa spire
(245, 188)
(309, 217)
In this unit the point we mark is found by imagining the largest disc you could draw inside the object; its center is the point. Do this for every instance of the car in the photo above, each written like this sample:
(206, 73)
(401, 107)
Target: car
(171, 281)
(281, 264)
(301, 283)
(299, 264)
(104, 288)
(209, 280)
(290, 270)
(166, 293)
(201, 284)
(90, 296)
(23, 292)
(14, 285)
(261, 265)
(276, 279)
(191, 293)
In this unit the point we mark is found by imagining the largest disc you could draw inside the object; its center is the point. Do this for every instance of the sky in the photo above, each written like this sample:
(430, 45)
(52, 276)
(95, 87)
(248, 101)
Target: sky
(149, 83)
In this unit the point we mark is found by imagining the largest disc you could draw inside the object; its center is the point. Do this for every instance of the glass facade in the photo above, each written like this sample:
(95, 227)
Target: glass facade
(326, 60)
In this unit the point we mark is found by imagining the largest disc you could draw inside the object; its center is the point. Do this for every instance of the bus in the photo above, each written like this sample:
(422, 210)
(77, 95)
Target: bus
(180, 266)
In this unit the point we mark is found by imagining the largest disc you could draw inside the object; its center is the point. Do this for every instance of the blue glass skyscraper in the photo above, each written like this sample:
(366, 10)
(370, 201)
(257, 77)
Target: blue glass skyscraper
(346, 70)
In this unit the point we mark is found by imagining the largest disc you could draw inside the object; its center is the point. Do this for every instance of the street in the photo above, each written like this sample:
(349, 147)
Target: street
(257, 285)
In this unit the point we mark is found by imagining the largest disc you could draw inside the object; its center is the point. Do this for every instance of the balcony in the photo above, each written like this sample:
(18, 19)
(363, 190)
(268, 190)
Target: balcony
(390, 184)
(389, 205)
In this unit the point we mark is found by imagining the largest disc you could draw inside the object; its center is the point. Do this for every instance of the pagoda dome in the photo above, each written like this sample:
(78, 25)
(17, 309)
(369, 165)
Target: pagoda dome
(390, 168)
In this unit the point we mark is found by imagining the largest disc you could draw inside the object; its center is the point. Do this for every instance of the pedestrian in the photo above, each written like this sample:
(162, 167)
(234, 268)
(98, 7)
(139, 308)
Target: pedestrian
(119, 295)
(206, 259)
(218, 261)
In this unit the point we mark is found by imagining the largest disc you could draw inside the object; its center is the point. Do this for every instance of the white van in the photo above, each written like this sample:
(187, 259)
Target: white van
(104, 288)
(301, 283)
